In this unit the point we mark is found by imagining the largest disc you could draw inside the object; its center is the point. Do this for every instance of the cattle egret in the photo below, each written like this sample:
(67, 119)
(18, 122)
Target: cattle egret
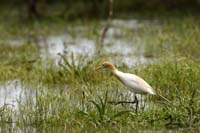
(134, 83)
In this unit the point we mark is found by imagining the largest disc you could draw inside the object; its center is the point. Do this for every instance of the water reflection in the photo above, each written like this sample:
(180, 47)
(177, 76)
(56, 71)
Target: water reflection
(119, 50)
(125, 49)
(13, 92)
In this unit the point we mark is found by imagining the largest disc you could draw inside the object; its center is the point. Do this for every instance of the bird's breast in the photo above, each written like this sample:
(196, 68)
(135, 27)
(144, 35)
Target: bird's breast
(125, 79)
(134, 83)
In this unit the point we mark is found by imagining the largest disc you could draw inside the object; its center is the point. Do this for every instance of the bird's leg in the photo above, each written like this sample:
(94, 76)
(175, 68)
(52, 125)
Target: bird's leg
(125, 102)
(136, 103)
(121, 102)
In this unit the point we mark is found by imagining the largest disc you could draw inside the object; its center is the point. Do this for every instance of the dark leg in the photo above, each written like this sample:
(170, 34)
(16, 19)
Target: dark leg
(136, 103)
(125, 102)
(121, 102)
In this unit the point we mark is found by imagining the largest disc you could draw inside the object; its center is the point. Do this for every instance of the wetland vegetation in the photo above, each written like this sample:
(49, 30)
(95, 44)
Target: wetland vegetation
(48, 78)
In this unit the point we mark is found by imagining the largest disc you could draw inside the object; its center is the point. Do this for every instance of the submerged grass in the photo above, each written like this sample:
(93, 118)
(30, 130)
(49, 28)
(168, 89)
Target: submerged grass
(72, 95)
(84, 105)
(177, 79)
(174, 36)
(16, 61)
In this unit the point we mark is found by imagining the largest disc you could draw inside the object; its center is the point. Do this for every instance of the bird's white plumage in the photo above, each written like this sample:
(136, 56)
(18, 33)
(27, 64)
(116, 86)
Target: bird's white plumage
(134, 83)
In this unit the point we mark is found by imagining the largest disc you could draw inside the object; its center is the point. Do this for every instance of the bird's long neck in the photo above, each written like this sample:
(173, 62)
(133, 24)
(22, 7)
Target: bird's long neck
(114, 70)
(117, 74)
(112, 67)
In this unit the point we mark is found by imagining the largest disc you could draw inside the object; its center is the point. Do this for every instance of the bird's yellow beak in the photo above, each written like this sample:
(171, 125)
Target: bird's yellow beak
(98, 68)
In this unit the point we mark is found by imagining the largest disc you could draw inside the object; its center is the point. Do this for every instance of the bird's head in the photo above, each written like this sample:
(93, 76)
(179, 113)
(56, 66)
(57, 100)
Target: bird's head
(106, 64)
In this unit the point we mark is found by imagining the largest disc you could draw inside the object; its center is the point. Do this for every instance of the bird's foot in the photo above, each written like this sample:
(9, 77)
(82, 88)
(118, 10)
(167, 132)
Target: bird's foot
(126, 102)
(122, 102)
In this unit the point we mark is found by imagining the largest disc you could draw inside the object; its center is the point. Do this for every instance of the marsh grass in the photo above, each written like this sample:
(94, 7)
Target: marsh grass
(72, 95)
(84, 105)
(174, 37)
(16, 61)
(180, 86)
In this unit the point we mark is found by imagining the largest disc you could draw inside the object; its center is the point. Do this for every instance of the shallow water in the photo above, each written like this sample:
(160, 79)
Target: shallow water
(119, 50)
(12, 92)
(123, 48)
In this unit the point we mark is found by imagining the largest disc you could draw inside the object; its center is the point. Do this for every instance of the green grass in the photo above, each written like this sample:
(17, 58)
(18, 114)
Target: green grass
(76, 97)
(84, 105)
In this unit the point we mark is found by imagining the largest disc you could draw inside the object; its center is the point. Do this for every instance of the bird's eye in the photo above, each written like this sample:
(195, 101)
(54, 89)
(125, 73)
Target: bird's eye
(103, 65)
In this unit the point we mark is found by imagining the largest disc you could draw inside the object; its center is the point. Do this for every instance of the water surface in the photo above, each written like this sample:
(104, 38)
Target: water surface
(13, 92)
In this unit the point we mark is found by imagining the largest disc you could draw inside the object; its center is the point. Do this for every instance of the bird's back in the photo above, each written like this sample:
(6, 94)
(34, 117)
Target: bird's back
(135, 83)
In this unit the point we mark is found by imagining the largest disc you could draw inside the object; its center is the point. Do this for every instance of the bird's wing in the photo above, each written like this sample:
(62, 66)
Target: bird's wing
(138, 84)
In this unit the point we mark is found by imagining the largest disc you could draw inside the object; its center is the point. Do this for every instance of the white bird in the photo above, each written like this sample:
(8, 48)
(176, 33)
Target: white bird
(134, 83)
